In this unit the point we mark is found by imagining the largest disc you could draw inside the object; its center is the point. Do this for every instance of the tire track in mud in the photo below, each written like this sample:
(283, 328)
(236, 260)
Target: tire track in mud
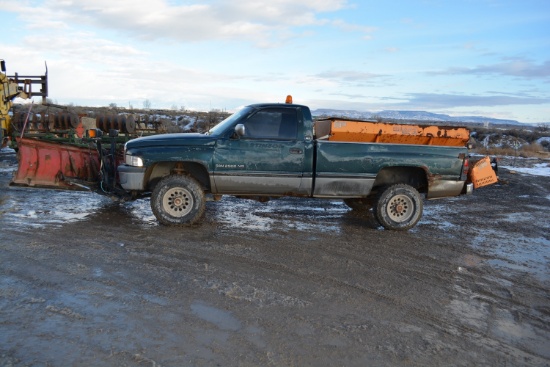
(436, 268)
(205, 256)
(44, 299)
(434, 321)
(492, 290)
(190, 259)
(217, 254)
(431, 267)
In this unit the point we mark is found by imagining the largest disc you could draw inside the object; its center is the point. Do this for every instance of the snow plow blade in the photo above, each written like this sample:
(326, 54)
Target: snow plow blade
(56, 165)
(482, 173)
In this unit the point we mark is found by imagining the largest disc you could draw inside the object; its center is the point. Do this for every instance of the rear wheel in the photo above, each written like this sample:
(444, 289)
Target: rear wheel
(177, 200)
(398, 207)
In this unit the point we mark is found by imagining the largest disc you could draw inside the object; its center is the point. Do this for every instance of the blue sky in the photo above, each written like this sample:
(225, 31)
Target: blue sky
(463, 57)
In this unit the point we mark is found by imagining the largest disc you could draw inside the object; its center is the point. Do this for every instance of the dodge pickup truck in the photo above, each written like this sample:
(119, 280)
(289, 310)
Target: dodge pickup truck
(273, 150)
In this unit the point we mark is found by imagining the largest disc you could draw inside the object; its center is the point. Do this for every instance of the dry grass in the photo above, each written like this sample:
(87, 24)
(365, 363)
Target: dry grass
(532, 150)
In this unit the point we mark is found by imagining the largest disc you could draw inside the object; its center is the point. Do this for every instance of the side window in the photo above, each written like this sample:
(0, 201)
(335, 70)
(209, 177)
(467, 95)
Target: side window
(272, 123)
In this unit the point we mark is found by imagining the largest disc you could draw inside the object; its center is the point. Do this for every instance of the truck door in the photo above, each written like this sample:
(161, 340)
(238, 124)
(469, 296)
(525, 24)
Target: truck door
(267, 160)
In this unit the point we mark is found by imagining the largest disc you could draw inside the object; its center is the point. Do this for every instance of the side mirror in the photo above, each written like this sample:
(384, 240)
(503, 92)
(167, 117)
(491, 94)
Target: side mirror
(240, 130)
(3, 65)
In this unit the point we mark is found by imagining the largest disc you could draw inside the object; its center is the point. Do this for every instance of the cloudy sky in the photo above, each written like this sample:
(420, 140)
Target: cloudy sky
(460, 57)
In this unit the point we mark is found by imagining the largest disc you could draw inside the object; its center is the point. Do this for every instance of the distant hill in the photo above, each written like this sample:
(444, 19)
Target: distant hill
(412, 115)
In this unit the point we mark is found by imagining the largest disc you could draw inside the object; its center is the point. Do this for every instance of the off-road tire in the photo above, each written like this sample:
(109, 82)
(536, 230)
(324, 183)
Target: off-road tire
(398, 207)
(178, 200)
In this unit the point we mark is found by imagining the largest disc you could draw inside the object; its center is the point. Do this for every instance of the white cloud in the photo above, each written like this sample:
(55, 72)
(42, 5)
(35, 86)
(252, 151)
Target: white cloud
(346, 78)
(516, 67)
(438, 101)
(263, 23)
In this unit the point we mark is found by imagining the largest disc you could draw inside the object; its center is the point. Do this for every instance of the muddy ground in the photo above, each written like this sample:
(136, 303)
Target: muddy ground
(85, 281)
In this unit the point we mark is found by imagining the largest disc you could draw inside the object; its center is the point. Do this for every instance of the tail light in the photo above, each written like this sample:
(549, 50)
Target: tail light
(465, 169)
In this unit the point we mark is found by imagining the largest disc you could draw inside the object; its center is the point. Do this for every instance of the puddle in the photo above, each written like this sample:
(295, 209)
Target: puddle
(484, 314)
(530, 255)
(222, 319)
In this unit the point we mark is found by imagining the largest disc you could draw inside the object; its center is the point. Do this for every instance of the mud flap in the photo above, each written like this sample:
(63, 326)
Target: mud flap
(482, 173)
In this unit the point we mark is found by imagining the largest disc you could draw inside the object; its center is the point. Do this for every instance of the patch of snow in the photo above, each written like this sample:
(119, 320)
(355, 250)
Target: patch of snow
(49, 207)
(7, 169)
(189, 126)
(141, 209)
(539, 169)
(245, 215)
(433, 214)
(7, 150)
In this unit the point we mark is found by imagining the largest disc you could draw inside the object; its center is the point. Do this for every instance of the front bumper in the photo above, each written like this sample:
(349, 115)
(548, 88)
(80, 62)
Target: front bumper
(131, 178)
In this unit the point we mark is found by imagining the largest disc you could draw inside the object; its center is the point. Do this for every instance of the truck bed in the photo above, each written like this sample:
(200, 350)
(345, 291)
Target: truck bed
(348, 130)
(343, 167)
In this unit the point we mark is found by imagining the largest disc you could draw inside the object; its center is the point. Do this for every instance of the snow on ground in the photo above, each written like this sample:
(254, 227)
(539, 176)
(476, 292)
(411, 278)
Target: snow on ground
(539, 169)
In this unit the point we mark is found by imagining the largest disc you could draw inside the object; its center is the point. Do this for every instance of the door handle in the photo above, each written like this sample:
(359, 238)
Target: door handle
(295, 151)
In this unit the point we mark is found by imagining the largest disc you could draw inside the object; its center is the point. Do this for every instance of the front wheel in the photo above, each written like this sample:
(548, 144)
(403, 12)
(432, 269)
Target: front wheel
(398, 207)
(177, 200)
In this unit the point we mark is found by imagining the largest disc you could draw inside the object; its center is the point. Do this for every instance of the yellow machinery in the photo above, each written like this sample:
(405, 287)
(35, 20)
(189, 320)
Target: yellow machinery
(12, 87)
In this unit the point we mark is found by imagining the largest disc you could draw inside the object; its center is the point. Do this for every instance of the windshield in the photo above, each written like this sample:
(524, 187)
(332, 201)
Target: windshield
(225, 124)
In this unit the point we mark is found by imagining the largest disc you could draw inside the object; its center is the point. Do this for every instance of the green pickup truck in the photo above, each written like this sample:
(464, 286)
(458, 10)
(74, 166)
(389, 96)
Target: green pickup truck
(272, 150)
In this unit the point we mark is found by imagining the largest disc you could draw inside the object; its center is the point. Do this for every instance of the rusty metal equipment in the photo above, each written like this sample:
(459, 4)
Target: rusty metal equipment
(124, 123)
(52, 122)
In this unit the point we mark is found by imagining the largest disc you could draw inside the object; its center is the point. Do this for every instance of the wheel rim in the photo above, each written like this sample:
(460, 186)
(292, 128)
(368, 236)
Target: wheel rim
(177, 202)
(400, 208)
